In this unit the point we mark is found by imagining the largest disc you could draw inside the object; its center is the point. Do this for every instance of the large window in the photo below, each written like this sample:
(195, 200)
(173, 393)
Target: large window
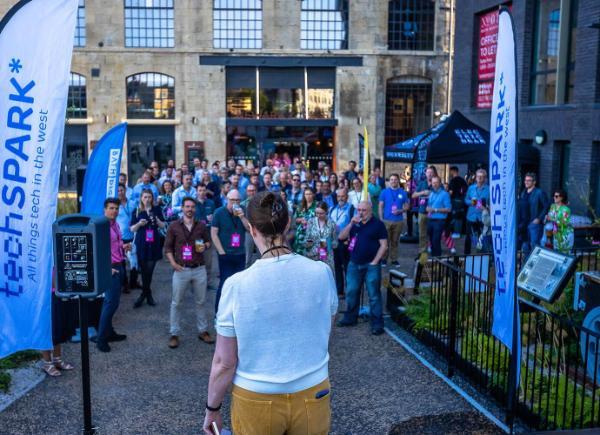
(553, 62)
(407, 109)
(411, 24)
(76, 100)
(150, 96)
(80, 35)
(305, 93)
(149, 23)
(237, 24)
(324, 25)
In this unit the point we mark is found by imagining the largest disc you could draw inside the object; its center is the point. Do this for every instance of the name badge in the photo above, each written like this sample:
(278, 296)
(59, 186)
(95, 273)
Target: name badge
(394, 208)
(323, 254)
(422, 201)
(186, 252)
(169, 212)
(236, 240)
(150, 235)
(352, 244)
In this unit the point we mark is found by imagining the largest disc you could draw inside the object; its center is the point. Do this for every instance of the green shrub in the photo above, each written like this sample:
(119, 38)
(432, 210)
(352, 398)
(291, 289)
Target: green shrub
(4, 381)
(16, 360)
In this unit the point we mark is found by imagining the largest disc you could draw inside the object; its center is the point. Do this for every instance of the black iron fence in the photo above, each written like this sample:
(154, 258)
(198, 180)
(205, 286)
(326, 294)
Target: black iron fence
(560, 373)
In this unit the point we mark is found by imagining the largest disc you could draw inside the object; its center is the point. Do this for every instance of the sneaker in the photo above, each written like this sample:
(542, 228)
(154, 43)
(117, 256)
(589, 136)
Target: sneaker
(377, 331)
(395, 263)
(453, 251)
(103, 346)
(173, 342)
(150, 300)
(383, 263)
(455, 235)
(205, 337)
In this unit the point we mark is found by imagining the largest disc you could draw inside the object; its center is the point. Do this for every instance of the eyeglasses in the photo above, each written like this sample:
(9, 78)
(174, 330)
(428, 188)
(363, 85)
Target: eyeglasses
(234, 200)
(556, 195)
(295, 179)
(361, 210)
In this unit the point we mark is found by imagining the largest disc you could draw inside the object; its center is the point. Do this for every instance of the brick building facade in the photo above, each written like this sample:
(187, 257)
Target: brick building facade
(238, 78)
(558, 76)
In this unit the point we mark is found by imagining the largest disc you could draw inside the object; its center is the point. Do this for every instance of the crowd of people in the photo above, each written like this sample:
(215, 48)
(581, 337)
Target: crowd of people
(226, 227)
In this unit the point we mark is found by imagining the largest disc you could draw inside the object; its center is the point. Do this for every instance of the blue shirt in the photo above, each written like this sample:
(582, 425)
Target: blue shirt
(393, 198)
(439, 199)
(178, 196)
(137, 192)
(341, 215)
(474, 211)
(367, 236)
(124, 219)
(422, 200)
(203, 209)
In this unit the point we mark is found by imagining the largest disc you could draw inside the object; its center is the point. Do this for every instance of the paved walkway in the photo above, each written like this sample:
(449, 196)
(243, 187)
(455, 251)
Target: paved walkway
(143, 387)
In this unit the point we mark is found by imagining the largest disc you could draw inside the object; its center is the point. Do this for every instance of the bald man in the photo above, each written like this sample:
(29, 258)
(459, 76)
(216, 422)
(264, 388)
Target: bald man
(228, 232)
(367, 245)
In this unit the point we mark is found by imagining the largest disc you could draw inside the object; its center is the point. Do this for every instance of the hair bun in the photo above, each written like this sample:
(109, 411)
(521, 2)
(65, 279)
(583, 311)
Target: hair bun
(268, 200)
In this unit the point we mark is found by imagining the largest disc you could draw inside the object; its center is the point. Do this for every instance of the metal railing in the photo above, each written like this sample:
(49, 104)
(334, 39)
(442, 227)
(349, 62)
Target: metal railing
(560, 377)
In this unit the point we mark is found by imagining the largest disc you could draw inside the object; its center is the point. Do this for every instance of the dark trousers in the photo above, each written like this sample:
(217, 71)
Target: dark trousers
(435, 228)
(112, 297)
(473, 233)
(147, 268)
(340, 260)
(229, 264)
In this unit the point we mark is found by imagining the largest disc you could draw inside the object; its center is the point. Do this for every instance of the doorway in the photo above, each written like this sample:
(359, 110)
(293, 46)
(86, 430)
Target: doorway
(146, 144)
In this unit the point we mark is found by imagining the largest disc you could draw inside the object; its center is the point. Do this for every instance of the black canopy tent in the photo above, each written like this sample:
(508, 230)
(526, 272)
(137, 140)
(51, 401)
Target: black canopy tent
(454, 140)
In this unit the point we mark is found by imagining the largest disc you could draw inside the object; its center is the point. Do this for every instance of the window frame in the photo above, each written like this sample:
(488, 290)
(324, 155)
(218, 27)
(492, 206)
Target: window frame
(143, 104)
(411, 84)
(80, 37)
(241, 22)
(74, 96)
(143, 35)
(316, 25)
(426, 43)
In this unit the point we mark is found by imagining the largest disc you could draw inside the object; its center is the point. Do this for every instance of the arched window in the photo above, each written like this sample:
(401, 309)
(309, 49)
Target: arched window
(407, 108)
(150, 96)
(76, 100)
(324, 25)
(411, 24)
(149, 23)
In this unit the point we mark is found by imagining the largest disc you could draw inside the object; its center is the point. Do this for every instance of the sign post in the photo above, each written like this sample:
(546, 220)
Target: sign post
(503, 180)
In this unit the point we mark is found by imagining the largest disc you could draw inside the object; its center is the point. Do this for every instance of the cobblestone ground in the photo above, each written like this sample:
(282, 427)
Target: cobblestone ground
(142, 386)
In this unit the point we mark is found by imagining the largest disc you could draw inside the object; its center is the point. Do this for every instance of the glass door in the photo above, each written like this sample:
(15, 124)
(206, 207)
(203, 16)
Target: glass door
(146, 144)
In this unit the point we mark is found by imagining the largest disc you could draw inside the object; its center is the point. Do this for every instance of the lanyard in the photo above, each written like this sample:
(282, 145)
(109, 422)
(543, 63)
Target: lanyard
(233, 221)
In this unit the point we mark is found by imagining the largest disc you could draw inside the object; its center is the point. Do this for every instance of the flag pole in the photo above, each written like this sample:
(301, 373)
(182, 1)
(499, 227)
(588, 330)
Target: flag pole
(365, 193)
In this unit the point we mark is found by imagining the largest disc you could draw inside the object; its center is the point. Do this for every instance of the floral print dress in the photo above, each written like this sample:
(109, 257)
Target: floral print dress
(326, 234)
(299, 246)
(560, 217)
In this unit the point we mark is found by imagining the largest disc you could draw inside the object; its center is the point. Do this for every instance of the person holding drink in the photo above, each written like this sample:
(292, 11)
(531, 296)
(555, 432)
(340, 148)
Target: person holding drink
(146, 222)
(228, 233)
(477, 194)
(187, 240)
(321, 236)
(303, 214)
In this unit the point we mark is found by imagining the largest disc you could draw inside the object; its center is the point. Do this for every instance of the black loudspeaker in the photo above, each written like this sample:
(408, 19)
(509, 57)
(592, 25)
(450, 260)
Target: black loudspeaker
(80, 175)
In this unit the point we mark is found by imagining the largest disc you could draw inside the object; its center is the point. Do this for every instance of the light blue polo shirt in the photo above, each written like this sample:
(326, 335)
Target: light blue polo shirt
(439, 199)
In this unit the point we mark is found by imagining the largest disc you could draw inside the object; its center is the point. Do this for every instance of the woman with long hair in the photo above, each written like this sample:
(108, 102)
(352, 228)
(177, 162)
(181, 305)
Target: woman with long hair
(303, 214)
(165, 200)
(559, 222)
(321, 236)
(272, 343)
(146, 222)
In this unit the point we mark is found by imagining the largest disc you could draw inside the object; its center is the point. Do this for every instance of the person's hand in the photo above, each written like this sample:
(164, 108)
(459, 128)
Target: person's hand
(114, 271)
(209, 418)
(127, 247)
(355, 219)
(425, 192)
(177, 267)
(374, 263)
(429, 209)
(397, 212)
(222, 253)
(143, 222)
